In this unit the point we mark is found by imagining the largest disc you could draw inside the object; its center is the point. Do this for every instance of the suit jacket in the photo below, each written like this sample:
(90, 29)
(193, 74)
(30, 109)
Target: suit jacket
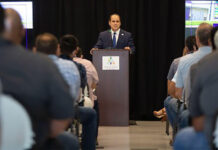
(124, 39)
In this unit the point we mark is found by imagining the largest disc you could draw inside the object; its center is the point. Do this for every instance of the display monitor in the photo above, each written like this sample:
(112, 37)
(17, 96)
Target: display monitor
(197, 11)
(24, 8)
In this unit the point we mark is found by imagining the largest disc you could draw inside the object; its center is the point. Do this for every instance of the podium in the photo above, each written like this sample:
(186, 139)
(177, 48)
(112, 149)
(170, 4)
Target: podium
(113, 89)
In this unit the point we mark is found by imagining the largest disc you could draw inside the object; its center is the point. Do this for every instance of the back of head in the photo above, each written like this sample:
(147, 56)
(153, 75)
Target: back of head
(68, 43)
(190, 43)
(213, 41)
(14, 30)
(216, 40)
(203, 34)
(46, 43)
(1, 19)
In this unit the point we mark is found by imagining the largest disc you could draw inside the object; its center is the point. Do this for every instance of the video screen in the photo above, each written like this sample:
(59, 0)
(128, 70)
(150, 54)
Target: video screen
(197, 12)
(25, 9)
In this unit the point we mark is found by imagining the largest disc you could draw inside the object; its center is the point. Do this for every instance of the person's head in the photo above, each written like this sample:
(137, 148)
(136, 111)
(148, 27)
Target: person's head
(46, 43)
(213, 33)
(1, 19)
(190, 45)
(203, 34)
(216, 40)
(14, 30)
(68, 44)
(114, 22)
(79, 53)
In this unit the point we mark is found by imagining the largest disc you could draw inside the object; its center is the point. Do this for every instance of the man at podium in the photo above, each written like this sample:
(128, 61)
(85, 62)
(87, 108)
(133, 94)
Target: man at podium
(115, 38)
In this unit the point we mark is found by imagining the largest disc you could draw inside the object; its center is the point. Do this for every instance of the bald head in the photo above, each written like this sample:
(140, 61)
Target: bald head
(203, 34)
(46, 43)
(14, 30)
(216, 39)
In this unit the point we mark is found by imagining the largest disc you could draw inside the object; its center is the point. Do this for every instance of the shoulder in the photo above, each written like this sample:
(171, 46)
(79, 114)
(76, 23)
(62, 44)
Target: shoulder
(104, 32)
(176, 61)
(185, 59)
(125, 32)
(208, 63)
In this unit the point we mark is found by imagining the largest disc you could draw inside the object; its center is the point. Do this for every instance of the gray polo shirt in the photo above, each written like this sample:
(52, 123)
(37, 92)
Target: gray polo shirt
(204, 84)
(173, 68)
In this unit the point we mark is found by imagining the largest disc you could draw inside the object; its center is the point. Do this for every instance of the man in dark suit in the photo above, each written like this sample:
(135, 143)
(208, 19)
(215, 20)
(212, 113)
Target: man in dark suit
(115, 38)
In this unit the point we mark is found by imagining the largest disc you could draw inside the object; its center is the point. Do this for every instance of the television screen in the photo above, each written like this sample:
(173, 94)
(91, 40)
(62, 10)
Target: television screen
(24, 8)
(197, 11)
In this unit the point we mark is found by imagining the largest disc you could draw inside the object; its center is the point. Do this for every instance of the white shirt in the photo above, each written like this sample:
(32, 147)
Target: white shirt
(117, 34)
(16, 127)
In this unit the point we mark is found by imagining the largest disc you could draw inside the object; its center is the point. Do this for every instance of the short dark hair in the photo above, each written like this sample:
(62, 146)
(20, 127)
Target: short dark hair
(212, 36)
(190, 42)
(109, 19)
(203, 33)
(68, 43)
(2, 16)
(46, 43)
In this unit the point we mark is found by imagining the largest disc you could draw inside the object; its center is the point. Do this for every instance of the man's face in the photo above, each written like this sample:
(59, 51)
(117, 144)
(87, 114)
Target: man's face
(115, 23)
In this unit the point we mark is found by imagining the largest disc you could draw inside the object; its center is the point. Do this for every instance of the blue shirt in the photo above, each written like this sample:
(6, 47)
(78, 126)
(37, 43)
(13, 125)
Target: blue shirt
(186, 62)
(70, 73)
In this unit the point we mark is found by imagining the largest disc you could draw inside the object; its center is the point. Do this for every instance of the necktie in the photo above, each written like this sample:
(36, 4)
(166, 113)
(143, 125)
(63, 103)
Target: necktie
(114, 40)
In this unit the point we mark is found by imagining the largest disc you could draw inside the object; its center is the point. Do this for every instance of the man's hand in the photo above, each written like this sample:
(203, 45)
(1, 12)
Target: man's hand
(58, 127)
(93, 49)
(198, 123)
(127, 48)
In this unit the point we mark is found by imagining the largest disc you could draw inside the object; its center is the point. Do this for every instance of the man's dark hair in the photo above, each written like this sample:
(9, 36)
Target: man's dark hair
(203, 33)
(2, 15)
(213, 32)
(109, 19)
(190, 43)
(46, 43)
(68, 43)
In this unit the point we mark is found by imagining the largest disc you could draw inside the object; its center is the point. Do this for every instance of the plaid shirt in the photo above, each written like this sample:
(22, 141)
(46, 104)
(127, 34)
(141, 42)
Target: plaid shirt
(70, 73)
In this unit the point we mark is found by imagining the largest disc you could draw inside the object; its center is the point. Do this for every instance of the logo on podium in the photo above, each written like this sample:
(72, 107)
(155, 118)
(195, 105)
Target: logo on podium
(110, 63)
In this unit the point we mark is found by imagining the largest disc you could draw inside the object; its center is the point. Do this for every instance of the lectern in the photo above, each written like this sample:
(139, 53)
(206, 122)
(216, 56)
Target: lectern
(113, 89)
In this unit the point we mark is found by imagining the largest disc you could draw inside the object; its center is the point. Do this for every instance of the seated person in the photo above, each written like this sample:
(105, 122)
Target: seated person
(92, 78)
(48, 44)
(33, 80)
(202, 102)
(169, 109)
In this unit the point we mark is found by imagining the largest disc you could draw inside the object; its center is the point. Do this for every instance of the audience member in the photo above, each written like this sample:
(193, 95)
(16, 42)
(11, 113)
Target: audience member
(203, 42)
(190, 47)
(34, 80)
(203, 105)
(87, 116)
(92, 78)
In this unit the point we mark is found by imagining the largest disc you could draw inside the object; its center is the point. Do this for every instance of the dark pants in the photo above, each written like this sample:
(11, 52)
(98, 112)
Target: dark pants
(64, 141)
(87, 117)
(97, 112)
(68, 141)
